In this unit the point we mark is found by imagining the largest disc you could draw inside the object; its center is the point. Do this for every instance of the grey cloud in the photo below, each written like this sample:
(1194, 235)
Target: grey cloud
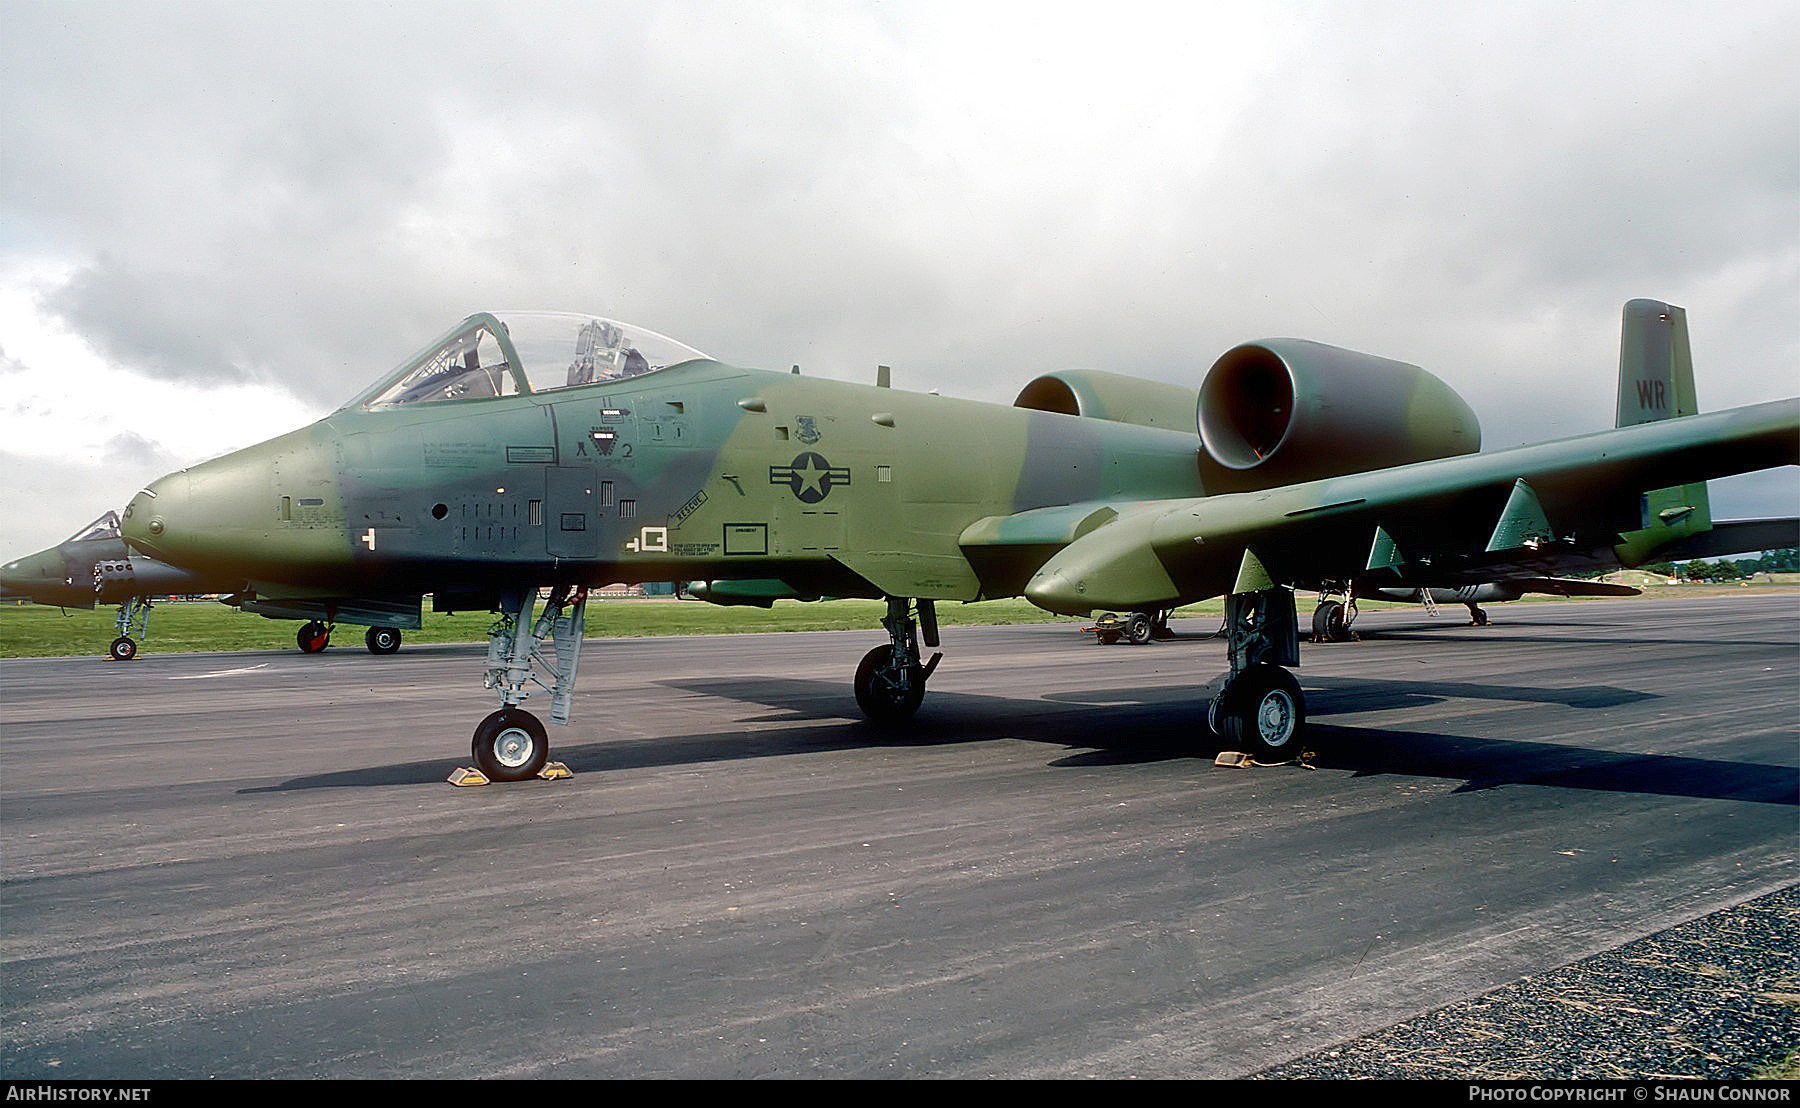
(306, 193)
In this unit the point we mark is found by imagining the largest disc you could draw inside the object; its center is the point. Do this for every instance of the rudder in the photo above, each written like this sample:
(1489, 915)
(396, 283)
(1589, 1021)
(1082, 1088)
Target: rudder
(1656, 382)
(1656, 366)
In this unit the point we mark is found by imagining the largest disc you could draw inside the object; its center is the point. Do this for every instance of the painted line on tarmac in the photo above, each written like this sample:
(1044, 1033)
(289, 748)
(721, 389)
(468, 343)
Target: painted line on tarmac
(220, 673)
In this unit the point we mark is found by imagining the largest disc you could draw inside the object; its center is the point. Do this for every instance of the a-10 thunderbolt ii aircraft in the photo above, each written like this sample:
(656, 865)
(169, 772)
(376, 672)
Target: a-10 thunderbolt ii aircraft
(95, 566)
(539, 451)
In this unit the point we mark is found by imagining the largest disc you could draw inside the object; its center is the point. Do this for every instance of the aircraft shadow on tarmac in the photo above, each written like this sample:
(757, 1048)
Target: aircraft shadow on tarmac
(1483, 764)
(1578, 634)
(1124, 727)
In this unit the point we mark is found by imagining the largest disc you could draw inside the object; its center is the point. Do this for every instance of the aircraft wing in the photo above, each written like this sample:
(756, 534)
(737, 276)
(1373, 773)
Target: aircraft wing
(1527, 511)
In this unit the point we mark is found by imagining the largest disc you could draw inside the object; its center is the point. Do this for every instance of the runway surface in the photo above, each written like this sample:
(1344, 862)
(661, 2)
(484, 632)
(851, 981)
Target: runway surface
(250, 865)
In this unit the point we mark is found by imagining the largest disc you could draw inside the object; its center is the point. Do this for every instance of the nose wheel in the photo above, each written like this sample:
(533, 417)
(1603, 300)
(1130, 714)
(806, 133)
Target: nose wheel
(510, 745)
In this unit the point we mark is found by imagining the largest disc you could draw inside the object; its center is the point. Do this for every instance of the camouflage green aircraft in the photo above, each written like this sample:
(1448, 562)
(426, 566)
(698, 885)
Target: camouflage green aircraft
(95, 566)
(544, 451)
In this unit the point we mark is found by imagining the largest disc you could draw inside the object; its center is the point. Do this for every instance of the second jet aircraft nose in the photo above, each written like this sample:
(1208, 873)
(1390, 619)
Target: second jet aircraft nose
(43, 578)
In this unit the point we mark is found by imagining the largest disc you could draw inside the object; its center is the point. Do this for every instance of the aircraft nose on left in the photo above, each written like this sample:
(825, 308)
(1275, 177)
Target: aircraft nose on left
(43, 578)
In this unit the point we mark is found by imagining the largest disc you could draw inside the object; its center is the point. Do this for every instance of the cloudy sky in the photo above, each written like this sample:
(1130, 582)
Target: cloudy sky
(219, 221)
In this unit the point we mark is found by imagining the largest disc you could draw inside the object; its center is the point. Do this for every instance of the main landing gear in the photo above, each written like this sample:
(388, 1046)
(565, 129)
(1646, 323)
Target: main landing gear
(1334, 615)
(382, 640)
(1261, 710)
(890, 681)
(314, 636)
(510, 744)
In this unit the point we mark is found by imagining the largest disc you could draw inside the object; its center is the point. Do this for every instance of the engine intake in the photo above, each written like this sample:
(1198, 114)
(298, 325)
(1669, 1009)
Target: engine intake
(1285, 410)
(1112, 396)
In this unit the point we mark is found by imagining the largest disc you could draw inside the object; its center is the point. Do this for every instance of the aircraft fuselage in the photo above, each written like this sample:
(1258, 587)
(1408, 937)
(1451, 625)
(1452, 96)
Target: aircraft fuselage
(699, 470)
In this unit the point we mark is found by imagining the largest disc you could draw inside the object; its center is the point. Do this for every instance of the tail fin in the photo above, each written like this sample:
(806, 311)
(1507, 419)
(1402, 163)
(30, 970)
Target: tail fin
(1656, 368)
(1656, 381)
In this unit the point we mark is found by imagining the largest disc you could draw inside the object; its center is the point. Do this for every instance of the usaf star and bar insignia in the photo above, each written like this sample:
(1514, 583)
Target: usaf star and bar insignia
(810, 477)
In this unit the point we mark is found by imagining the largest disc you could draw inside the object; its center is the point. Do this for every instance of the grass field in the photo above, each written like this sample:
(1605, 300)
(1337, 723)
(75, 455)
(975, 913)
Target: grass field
(29, 631)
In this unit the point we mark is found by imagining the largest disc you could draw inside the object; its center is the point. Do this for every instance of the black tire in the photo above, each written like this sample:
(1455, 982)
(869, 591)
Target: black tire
(1478, 617)
(510, 745)
(877, 696)
(312, 637)
(123, 649)
(1107, 638)
(1137, 629)
(1330, 622)
(1263, 714)
(382, 640)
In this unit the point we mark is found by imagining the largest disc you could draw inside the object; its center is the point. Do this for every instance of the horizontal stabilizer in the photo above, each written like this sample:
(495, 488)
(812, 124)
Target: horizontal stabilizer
(1733, 536)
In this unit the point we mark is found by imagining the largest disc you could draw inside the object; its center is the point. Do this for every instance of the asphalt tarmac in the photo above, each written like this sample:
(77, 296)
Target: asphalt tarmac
(251, 865)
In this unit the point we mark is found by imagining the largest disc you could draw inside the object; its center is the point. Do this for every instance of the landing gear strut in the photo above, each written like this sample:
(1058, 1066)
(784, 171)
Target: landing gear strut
(1261, 709)
(510, 744)
(890, 681)
(133, 620)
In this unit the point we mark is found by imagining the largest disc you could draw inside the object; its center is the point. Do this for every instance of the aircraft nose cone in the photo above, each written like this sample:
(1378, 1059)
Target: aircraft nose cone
(18, 577)
(145, 524)
(43, 578)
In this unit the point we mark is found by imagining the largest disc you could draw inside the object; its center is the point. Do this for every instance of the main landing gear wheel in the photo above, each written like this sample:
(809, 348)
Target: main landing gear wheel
(313, 637)
(880, 691)
(382, 640)
(1262, 713)
(123, 649)
(1137, 629)
(510, 745)
(1331, 622)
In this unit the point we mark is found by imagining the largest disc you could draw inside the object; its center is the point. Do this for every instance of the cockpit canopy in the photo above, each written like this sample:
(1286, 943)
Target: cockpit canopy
(106, 527)
(524, 352)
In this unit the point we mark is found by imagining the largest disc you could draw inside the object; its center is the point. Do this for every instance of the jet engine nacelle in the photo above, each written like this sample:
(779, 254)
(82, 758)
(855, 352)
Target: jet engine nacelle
(1286, 410)
(1099, 395)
